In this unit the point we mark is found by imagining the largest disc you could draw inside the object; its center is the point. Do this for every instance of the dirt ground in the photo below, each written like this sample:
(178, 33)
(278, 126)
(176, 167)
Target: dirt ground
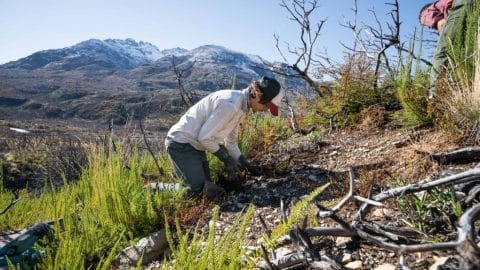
(381, 157)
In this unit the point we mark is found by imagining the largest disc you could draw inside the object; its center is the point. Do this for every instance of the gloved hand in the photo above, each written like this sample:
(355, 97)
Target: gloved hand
(245, 165)
(230, 164)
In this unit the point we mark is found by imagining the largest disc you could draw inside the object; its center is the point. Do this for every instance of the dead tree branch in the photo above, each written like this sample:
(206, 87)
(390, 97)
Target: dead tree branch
(374, 41)
(186, 96)
(460, 156)
(301, 13)
(397, 240)
(14, 200)
(464, 177)
(161, 171)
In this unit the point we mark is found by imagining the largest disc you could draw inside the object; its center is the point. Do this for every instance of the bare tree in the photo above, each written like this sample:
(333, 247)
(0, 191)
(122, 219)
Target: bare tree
(374, 41)
(186, 95)
(300, 12)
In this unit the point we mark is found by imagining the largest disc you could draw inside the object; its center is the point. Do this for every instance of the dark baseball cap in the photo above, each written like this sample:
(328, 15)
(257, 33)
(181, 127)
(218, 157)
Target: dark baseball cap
(271, 94)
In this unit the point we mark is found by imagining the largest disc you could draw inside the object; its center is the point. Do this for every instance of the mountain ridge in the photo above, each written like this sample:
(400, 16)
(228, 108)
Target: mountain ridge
(91, 79)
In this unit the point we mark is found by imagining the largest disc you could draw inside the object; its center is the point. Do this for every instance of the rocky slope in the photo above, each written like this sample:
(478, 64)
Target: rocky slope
(380, 156)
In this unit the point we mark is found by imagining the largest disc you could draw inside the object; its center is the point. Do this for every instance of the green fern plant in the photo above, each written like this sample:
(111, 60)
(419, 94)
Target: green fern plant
(297, 212)
(192, 250)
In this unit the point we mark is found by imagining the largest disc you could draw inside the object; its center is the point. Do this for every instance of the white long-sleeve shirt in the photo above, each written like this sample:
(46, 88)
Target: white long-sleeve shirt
(213, 119)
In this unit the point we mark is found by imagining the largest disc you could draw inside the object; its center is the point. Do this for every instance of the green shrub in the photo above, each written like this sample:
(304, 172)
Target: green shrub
(412, 89)
(102, 212)
(353, 92)
(197, 251)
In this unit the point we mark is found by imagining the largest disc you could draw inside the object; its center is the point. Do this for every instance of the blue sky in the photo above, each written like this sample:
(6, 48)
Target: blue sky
(27, 26)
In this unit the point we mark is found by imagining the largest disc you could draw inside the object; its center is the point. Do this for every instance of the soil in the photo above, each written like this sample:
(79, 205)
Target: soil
(381, 157)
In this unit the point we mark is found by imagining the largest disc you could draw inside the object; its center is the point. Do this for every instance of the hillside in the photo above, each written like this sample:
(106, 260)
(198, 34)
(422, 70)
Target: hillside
(102, 80)
(381, 158)
(382, 155)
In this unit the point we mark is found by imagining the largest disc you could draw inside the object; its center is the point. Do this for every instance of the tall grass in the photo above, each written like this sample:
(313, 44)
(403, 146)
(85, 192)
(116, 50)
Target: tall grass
(102, 212)
(412, 87)
(462, 98)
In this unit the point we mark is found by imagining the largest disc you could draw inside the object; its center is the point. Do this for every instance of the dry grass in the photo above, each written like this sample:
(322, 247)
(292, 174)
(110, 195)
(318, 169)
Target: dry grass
(372, 118)
(41, 161)
(413, 162)
(460, 102)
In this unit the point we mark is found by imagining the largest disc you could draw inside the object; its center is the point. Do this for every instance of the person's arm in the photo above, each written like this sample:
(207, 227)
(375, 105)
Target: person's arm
(220, 116)
(231, 143)
(441, 24)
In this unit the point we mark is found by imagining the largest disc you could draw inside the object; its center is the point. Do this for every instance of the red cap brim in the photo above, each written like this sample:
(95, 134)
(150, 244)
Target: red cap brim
(273, 108)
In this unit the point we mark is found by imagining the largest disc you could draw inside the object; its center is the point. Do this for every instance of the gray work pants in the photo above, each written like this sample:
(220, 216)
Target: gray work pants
(189, 164)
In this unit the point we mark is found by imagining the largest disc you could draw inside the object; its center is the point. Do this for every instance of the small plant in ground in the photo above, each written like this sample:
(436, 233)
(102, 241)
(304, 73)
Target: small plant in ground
(297, 212)
(192, 250)
(260, 131)
(315, 137)
(431, 210)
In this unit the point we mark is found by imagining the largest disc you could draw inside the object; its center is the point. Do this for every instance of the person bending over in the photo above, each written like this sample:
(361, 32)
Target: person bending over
(212, 125)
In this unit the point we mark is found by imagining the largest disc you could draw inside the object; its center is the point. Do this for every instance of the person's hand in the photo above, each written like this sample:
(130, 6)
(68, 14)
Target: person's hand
(233, 170)
(441, 24)
(230, 164)
(246, 166)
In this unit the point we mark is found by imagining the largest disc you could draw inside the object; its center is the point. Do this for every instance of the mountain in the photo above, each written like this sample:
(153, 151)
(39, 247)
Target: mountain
(110, 53)
(95, 79)
(213, 68)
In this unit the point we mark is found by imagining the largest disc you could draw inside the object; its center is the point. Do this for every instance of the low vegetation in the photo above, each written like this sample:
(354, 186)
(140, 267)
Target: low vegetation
(95, 193)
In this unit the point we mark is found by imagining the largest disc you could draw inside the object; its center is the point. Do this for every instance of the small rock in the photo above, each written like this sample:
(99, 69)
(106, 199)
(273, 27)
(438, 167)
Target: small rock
(386, 266)
(282, 251)
(342, 241)
(150, 247)
(382, 213)
(354, 265)
(438, 261)
(313, 178)
(321, 265)
(346, 258)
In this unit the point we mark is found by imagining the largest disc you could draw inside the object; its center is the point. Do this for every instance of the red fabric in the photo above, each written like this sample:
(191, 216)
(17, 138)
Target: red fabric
(273, 108)
(435, 12)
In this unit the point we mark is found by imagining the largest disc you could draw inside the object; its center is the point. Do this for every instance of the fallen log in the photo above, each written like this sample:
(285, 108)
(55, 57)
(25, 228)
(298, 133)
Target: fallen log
(460, 156)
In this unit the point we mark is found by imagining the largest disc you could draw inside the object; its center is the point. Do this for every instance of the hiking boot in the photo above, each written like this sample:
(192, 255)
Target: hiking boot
(212, 192)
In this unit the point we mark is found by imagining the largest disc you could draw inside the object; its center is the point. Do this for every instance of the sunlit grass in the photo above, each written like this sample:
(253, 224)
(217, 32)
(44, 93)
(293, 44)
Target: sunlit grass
(106, 209)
